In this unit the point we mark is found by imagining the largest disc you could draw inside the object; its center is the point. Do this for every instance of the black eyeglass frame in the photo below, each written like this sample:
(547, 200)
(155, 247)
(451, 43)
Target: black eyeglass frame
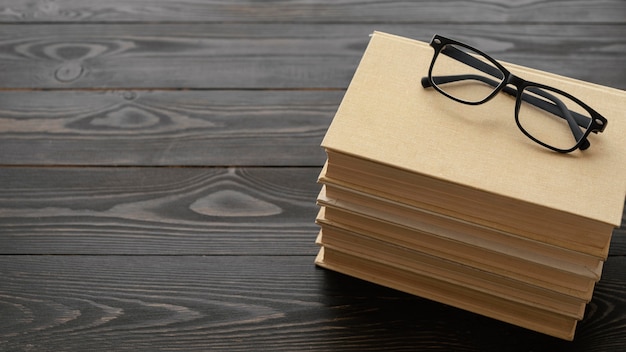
(597, 124)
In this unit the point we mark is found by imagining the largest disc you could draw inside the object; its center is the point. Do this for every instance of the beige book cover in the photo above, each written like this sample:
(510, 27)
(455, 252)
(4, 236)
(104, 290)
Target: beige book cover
(387, 117)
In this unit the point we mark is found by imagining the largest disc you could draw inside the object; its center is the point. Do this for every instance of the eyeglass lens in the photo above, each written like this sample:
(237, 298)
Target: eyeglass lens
(469, 83)
(552, 118)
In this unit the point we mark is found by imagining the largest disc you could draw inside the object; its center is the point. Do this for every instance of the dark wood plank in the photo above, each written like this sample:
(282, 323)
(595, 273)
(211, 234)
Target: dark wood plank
(432, 11)
(285, 55)
(199, 211)
(106, 303)
(203, 211)
(165, 127)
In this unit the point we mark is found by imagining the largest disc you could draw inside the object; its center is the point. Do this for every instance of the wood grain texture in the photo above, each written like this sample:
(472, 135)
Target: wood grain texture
(106, 303)
(166, 211)
(263, 56)
(205, 128)
(346, 11)
(192, 211)
(158, 162)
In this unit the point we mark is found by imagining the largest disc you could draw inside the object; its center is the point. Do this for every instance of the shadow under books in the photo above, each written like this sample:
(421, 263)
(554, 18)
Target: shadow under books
(362, 310)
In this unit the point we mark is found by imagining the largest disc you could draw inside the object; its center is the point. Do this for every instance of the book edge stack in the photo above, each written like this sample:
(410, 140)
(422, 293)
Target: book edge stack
(538, 286)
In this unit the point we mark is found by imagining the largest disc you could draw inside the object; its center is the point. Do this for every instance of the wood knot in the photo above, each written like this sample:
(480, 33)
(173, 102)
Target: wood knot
(231, 203)
(129, 95)
(69, 72)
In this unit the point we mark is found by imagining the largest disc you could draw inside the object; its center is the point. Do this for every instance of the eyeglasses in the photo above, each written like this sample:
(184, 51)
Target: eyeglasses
(548, 116)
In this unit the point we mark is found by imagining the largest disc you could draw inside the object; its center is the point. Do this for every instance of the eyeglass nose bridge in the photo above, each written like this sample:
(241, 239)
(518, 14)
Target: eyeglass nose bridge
(515, 81)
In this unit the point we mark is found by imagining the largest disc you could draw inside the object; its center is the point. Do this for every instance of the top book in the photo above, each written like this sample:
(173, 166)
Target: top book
(388, 118)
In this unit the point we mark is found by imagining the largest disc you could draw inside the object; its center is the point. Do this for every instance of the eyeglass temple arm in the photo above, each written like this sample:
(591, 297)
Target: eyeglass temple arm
(461, 56)
(555, 109)
(559, 109)
(494, 72)
(571, 117)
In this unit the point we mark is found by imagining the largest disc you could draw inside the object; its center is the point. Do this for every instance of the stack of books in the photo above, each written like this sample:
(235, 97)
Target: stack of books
(453, 203)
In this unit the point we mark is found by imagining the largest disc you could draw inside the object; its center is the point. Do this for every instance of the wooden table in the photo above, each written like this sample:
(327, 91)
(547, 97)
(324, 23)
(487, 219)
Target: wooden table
(159, 163)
